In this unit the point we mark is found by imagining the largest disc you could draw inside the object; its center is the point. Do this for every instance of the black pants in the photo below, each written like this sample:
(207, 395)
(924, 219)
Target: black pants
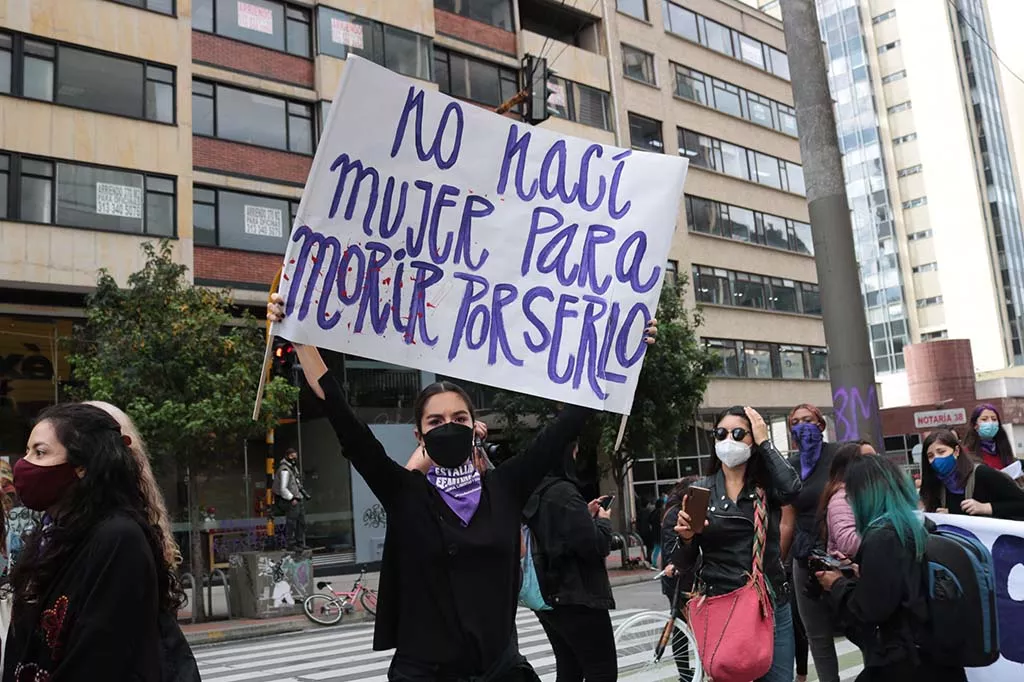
(295, 526)
(583, 642)
(800, 637)
(681, 650)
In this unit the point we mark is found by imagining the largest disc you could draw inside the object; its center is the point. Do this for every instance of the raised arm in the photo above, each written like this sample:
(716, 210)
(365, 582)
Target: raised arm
(785, 482)
(383, 475)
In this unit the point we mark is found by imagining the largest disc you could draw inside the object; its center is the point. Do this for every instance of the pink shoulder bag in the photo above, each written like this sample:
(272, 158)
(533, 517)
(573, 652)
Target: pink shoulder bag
(735, 632)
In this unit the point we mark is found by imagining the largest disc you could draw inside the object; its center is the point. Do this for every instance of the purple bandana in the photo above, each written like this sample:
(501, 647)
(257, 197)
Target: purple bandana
(808, 438)
(459, 488)
(953, 483)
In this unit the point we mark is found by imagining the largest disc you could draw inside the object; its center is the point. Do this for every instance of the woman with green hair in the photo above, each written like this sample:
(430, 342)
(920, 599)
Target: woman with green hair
(881, 597)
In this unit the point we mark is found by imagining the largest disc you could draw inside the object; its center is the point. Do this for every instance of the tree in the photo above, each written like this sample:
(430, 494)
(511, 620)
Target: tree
(669, 391)
(176, 359)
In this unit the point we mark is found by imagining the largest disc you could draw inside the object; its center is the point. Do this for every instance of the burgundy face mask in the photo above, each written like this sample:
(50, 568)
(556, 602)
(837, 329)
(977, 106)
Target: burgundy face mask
(40, 488)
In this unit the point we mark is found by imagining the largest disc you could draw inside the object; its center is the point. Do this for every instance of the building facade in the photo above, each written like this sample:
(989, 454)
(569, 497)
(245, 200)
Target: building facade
(122, 121)
(932, 176)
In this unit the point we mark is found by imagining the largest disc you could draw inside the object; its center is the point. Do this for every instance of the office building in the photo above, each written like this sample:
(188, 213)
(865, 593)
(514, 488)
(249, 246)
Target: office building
(932, 177)
(196, 120)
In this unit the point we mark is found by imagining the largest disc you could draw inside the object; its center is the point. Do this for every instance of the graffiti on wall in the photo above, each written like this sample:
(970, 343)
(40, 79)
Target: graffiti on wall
(853, 406)
(286, 580)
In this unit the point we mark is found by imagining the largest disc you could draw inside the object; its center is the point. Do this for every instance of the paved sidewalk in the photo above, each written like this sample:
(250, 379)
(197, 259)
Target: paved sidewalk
(223, 630)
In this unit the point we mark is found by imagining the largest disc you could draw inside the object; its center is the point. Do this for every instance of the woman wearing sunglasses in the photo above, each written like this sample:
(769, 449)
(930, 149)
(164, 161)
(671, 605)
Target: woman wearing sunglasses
(745, 461)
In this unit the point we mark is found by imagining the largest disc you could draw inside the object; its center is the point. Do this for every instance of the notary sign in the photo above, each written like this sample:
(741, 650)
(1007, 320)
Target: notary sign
(436, 235)
(937, 419)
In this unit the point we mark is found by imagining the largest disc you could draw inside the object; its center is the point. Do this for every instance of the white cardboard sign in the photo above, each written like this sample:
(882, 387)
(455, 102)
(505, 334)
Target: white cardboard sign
(119, 200)
(255, 18)
(440, 236)
(346, 33)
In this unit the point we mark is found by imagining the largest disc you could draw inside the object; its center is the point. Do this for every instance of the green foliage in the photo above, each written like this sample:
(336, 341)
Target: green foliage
(175, 359)
(670, 389)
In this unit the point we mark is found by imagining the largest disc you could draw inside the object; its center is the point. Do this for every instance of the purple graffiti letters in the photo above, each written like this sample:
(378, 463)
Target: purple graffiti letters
(850, 408)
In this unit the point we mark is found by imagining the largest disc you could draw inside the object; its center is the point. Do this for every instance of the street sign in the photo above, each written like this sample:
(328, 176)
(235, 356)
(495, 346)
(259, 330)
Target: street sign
(939, 418)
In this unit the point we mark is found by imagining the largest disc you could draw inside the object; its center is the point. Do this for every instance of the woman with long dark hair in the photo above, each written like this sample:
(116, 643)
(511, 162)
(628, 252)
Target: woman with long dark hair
(812, 462)
(884, 604)
(449, 579)
(955, 483)
(745, 461)
(986, 439)
(92, 580)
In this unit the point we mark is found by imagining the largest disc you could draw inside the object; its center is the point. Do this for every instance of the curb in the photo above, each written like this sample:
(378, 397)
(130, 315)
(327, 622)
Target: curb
(640, 576)
(230, 633)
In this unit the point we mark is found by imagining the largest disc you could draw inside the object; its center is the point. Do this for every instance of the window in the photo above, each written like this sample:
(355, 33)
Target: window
(580, 103)
(792, 362)
(733, 100)
(727, 98)
(757, 359)
(810, 298)
(741, 224)
(634, 8)
(638, 65)
(731, 159)
(760, 360)
(882, 17)
(696, 28)
(783, 296)
(711, 285)
(251, 118)
(905, 138)
(672, 272)
(161, 6)
(914, 203)
(690, 85)
(494, 12)
(922, 234)
(342, 34)
(645, 134)
(738, 223)
(248, 222)
(912, 170)
(893, 77)
(882, 49)
(267, 23)
(94, 197)
(746, 290)
(925, 267)
(726, 350)
(896, 108)
(473, 79)
(933, 336)
(86, 79)
(931, 300)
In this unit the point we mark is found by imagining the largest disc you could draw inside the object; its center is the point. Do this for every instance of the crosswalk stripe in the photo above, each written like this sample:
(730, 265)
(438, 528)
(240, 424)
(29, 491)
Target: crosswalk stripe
(344, 653)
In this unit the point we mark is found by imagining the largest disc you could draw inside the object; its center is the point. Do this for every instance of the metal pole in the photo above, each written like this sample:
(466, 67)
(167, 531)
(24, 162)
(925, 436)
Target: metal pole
(246, 479)
(297, 368)
(852, 372)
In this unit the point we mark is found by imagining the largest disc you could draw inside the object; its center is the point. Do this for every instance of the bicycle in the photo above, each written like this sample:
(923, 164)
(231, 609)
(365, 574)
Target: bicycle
(328, 609)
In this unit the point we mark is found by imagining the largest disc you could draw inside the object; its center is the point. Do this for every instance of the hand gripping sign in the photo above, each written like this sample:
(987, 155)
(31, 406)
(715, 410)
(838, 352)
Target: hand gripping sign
(439, 236)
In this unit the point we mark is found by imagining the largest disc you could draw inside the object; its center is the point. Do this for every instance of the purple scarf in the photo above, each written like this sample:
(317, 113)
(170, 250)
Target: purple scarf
(459, 488)
(988, 447)
(953, 483)
(808, 438)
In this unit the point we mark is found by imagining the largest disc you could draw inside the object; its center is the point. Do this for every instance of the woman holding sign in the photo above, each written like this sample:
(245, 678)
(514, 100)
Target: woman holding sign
(450, 570)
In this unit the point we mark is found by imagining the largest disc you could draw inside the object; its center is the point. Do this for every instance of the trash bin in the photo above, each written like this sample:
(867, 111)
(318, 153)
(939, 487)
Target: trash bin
(269, 584)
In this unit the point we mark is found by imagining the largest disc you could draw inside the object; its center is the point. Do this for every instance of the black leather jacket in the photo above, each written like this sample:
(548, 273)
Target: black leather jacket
(726, 544)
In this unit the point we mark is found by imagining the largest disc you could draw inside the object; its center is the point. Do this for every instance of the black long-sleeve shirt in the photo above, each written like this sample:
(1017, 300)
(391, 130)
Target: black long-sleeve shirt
(448, 592)
(995, 488)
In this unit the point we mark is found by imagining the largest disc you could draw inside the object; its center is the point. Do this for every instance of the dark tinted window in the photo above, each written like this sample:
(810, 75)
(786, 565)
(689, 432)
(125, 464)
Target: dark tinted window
(235, 220)
(94, 81)
(474, 79)
(645, 133)
(494, 12)
(255, 21)
(249, 117)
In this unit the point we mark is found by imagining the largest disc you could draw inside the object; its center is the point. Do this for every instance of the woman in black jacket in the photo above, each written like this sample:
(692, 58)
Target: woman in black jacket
(745, 460)
(955, 483)
(812, 460)
(92, 581)
(884, 606)
(573, 538)
(449, 580)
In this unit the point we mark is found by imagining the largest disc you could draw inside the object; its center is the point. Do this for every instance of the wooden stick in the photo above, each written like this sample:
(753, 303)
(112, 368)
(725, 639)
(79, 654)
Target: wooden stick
(265, 369)
(516, 100)
(622, 433)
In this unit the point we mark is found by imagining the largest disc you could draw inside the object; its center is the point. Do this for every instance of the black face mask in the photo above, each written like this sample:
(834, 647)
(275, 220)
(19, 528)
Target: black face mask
(449, 445)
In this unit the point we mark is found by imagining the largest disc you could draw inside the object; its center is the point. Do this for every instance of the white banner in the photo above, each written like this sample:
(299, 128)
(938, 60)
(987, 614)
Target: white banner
(119, 200)
(436, 235)
(1005, 539)
(255, 18)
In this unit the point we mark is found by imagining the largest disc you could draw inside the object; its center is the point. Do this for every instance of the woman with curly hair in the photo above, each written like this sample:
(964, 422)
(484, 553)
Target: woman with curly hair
(93, 580)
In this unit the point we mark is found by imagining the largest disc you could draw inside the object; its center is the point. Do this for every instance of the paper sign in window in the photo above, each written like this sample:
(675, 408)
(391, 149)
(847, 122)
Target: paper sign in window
(264, 222)
(346, 33)
(118, 200)
(556, 98)
(255, 18)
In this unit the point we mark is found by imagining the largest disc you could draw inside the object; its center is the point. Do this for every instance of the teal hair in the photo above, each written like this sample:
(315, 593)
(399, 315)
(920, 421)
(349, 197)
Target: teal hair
(882, 494)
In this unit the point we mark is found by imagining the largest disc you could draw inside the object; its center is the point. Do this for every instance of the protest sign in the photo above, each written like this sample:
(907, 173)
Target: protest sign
(439, 236)
(1005, 539)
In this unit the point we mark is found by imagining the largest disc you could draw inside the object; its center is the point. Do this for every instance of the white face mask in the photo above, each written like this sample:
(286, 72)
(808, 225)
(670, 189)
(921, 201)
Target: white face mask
(732, 453)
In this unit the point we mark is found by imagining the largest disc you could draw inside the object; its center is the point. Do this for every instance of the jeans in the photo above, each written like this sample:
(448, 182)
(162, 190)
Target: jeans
(817, 619)
(785, 646)
(583, 642)
(295, 526)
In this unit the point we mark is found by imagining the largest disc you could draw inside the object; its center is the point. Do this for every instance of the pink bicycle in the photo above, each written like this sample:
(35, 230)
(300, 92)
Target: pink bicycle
(329, 609)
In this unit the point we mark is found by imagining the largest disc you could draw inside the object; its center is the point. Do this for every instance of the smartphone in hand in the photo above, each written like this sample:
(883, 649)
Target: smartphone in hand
(607, 501)
(697, 500)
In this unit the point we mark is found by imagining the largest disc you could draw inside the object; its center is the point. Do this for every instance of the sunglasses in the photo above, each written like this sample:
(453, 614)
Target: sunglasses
(721, 433)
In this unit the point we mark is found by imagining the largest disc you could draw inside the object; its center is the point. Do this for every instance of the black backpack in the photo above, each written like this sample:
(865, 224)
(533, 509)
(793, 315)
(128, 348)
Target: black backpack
(959, 584)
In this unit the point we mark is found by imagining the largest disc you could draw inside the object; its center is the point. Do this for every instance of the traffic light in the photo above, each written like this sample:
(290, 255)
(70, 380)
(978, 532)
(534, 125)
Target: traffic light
(284, 359)
(536, 76)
